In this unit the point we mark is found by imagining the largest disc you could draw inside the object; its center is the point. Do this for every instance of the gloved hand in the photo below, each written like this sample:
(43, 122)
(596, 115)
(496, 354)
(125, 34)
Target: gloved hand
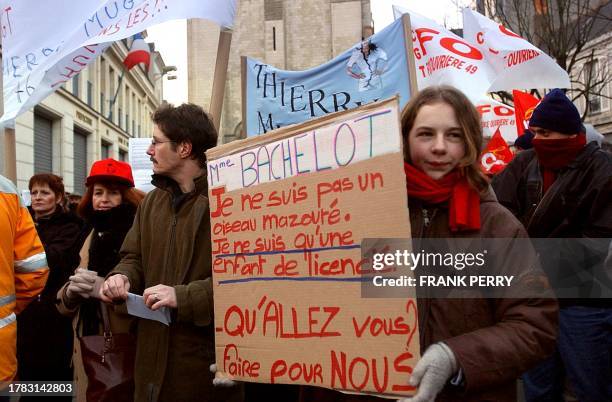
(221, 380)
(436, 367)
(81, 283)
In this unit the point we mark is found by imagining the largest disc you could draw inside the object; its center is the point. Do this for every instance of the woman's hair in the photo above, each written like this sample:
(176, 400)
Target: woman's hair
(129, 195)
(469, 121)
(55, 183)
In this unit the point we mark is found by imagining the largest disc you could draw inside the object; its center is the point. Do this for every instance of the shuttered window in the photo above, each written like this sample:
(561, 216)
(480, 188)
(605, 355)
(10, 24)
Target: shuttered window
(43, 145)
(105, 150)
(80, 161)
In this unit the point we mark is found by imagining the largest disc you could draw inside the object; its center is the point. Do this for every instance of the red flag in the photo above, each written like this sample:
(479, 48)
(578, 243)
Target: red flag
(496, 155)
(524, 104)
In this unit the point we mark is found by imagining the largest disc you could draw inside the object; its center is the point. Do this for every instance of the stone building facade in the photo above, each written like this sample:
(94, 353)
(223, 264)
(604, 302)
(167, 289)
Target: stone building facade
(288, 34)
(80, 123)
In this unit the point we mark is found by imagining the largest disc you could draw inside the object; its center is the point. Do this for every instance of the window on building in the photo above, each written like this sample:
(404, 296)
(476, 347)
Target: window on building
(43, 145)
(123, 155)
(119, 118)
(105, 150)
(75, 85)
(89, 93)
(591, 70)
(274, 38)
(80, 160)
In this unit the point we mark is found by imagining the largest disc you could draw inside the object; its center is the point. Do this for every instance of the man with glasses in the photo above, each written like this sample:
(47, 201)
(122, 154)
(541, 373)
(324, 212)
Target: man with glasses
(166, 257)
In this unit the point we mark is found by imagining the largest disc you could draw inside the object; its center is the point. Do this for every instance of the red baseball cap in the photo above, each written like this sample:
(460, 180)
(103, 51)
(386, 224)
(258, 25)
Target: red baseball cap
(110, 169)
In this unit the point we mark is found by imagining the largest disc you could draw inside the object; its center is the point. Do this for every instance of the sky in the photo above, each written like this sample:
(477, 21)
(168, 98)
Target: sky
(170, 38)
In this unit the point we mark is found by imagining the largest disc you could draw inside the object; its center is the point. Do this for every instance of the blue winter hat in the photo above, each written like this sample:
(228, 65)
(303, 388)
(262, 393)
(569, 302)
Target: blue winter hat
(524, 141)
(557, 113)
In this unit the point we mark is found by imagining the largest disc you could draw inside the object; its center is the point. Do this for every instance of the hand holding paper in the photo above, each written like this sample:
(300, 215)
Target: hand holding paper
(115, 288)
(158, 296)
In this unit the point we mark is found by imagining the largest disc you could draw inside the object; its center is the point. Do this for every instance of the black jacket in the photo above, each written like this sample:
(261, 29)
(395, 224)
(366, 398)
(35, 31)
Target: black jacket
(44, 337)
(576, 210)
(109, 230)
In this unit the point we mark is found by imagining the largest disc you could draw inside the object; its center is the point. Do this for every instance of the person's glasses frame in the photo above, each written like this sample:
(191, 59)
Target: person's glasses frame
(154, 142)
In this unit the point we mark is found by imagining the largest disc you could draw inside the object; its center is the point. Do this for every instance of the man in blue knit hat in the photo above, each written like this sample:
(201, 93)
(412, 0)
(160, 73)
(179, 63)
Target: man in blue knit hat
(562, 190)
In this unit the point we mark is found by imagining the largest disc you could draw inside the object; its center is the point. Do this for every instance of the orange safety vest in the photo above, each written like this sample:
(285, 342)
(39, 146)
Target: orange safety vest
(23, 271)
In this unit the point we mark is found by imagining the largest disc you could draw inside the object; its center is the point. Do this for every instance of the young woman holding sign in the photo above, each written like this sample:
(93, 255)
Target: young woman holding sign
(471, 349)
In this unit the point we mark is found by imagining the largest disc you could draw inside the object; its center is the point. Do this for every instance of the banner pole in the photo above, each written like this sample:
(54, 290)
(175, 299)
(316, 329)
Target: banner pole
(414, 87)
(218, 88)
(243, 84)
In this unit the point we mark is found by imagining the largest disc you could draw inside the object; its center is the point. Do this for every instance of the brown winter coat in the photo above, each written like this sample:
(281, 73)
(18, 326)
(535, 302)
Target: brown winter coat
(120, 322)
(494, 340)
(169, 244)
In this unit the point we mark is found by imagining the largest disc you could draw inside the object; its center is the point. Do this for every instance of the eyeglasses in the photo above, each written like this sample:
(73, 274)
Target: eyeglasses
(154, 142)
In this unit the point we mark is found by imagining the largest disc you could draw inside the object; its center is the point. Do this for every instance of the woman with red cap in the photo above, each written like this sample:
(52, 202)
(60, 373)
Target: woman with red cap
(109, 206)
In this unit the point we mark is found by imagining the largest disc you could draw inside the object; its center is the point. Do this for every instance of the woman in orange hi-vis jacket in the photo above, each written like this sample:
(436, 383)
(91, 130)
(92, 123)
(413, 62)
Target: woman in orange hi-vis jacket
(23, 272)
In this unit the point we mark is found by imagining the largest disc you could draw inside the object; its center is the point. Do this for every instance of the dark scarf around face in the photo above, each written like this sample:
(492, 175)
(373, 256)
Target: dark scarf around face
(109, 230)
(556, 154)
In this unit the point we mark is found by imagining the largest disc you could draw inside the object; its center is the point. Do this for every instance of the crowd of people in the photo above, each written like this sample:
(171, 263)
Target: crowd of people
(159, 246)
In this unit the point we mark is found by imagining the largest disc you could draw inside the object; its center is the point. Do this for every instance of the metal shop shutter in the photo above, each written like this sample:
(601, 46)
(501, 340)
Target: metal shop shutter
(80, 161)
(43, 145)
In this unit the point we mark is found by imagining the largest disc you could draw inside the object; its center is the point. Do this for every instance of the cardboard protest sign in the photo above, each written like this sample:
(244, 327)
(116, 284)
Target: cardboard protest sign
(288, 213)
(516, 62)
(374, 69)
(142, 167)
(497, 116)
(46, 43)
(442, 57)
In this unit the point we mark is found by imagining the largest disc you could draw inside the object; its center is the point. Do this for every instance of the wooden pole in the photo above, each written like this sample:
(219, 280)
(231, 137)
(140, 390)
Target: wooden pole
(243, 84)
(218, 88)
(414, 86)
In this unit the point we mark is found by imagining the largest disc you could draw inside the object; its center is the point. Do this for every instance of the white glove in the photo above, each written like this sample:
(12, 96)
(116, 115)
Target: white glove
(81, 283)
(221, 379)
(431, 373)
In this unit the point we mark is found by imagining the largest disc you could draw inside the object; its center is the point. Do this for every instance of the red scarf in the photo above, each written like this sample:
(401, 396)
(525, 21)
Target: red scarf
(464, 201)
(556, 154)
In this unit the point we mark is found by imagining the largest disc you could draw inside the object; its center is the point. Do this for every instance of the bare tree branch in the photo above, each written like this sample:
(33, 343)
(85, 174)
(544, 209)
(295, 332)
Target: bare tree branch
(565, 30)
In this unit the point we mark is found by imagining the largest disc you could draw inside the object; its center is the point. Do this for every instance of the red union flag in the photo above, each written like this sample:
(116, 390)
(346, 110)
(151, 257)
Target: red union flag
(524, 104)
(496, 155)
